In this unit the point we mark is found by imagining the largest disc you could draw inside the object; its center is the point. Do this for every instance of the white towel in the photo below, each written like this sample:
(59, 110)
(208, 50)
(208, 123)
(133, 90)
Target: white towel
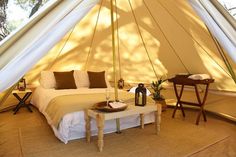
(183, 74)
(117, 104)
(199, 76)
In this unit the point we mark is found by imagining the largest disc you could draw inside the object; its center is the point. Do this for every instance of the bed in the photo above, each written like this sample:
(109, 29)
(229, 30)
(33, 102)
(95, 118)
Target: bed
(72, 125)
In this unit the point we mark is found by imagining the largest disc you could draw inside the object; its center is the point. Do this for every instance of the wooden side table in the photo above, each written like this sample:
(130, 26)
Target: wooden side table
(185, 81)
(101, 117)
(22, 100)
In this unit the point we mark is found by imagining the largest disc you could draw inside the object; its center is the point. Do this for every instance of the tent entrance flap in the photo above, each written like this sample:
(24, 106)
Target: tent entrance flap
(37, 46)
(220, 27)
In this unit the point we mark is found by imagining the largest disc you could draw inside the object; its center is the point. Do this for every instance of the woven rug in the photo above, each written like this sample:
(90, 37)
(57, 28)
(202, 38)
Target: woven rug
(178, 137)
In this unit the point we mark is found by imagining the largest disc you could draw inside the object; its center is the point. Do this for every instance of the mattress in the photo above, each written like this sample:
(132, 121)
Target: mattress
(72, 125)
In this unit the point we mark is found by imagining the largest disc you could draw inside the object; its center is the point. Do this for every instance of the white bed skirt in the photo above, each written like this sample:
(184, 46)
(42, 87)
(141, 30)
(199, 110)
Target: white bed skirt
(66, 134)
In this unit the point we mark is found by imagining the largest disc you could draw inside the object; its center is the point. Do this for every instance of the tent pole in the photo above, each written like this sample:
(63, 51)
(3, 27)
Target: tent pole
(118, 41)
(114, 52)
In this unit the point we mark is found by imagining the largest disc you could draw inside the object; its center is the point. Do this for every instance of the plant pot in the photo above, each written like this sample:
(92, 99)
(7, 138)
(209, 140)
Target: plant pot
(163, 104)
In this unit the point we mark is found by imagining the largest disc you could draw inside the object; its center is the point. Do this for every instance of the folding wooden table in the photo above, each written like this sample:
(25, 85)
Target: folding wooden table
(185, 81)
(22, 101)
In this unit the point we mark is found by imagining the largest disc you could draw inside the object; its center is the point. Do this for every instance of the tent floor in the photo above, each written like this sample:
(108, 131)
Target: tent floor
(28, 135)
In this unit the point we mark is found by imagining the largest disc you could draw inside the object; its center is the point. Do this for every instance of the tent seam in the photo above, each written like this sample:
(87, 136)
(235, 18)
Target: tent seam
(144, 44)
(166, 37)
(64, 45)
(94, 32)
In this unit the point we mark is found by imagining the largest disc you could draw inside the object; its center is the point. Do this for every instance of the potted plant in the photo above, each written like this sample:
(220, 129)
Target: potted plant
(156, 93)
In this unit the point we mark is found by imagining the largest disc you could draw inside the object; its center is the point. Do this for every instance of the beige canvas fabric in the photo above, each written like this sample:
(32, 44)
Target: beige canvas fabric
(176, 39)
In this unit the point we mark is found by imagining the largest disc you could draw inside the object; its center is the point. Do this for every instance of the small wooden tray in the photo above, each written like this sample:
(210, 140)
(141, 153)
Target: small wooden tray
(102, 106)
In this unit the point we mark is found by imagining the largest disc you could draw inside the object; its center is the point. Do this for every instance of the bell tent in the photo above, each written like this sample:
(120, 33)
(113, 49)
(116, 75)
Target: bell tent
(152, 39)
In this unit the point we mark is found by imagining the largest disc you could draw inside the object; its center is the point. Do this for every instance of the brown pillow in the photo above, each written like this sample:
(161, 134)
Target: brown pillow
(97, 79)
(65, 80)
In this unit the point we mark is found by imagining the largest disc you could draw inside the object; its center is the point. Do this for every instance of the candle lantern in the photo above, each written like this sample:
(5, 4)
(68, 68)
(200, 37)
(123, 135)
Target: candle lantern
(21, 86)
(140, 95)
(121, 83)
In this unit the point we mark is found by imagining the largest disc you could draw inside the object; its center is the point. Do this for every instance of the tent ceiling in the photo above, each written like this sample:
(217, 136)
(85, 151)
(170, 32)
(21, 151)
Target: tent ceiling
(176, 38)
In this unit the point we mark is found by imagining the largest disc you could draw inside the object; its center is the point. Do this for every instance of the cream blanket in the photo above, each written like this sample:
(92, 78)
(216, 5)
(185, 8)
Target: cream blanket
(61, 105)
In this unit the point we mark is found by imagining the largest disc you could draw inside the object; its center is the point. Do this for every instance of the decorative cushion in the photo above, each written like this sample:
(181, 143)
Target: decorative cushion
(97, 79)
(65, 80)
(47, 79)
(81, 78)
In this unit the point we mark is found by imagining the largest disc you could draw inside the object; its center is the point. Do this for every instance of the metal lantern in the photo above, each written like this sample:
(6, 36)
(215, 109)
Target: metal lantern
(21, 86)
(121, 83)
(140, 95)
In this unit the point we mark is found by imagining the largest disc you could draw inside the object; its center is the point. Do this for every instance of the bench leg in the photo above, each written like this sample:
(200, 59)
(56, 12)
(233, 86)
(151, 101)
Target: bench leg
(100, 125)
(142, 120)
(87, 126)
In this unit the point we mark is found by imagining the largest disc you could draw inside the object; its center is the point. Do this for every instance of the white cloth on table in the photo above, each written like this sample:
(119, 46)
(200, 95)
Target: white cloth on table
(199, 76)
(117, 104)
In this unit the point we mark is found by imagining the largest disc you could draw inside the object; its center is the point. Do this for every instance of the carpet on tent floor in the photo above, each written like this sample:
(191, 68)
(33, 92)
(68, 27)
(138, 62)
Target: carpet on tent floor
(178, 137)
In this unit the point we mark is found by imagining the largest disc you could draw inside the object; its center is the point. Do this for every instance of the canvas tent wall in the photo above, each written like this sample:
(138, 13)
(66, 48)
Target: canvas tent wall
(176, 38)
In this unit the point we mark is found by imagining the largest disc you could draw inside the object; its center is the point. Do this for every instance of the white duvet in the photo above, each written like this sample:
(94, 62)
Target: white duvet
(72, 125)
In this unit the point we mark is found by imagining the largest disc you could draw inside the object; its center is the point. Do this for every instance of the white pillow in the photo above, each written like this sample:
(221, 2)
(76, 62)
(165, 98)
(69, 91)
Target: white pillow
(47, 79)
(82, 79)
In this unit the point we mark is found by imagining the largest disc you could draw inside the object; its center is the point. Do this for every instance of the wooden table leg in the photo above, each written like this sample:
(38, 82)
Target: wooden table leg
(201, 112)
(142, 120)
(22, 102)
(100, 125)
(201, 103)
(182, 109)
(204, 101)
(178, 96)
(204, 115)
(18, 106)
(87, 125)
(158, 118)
